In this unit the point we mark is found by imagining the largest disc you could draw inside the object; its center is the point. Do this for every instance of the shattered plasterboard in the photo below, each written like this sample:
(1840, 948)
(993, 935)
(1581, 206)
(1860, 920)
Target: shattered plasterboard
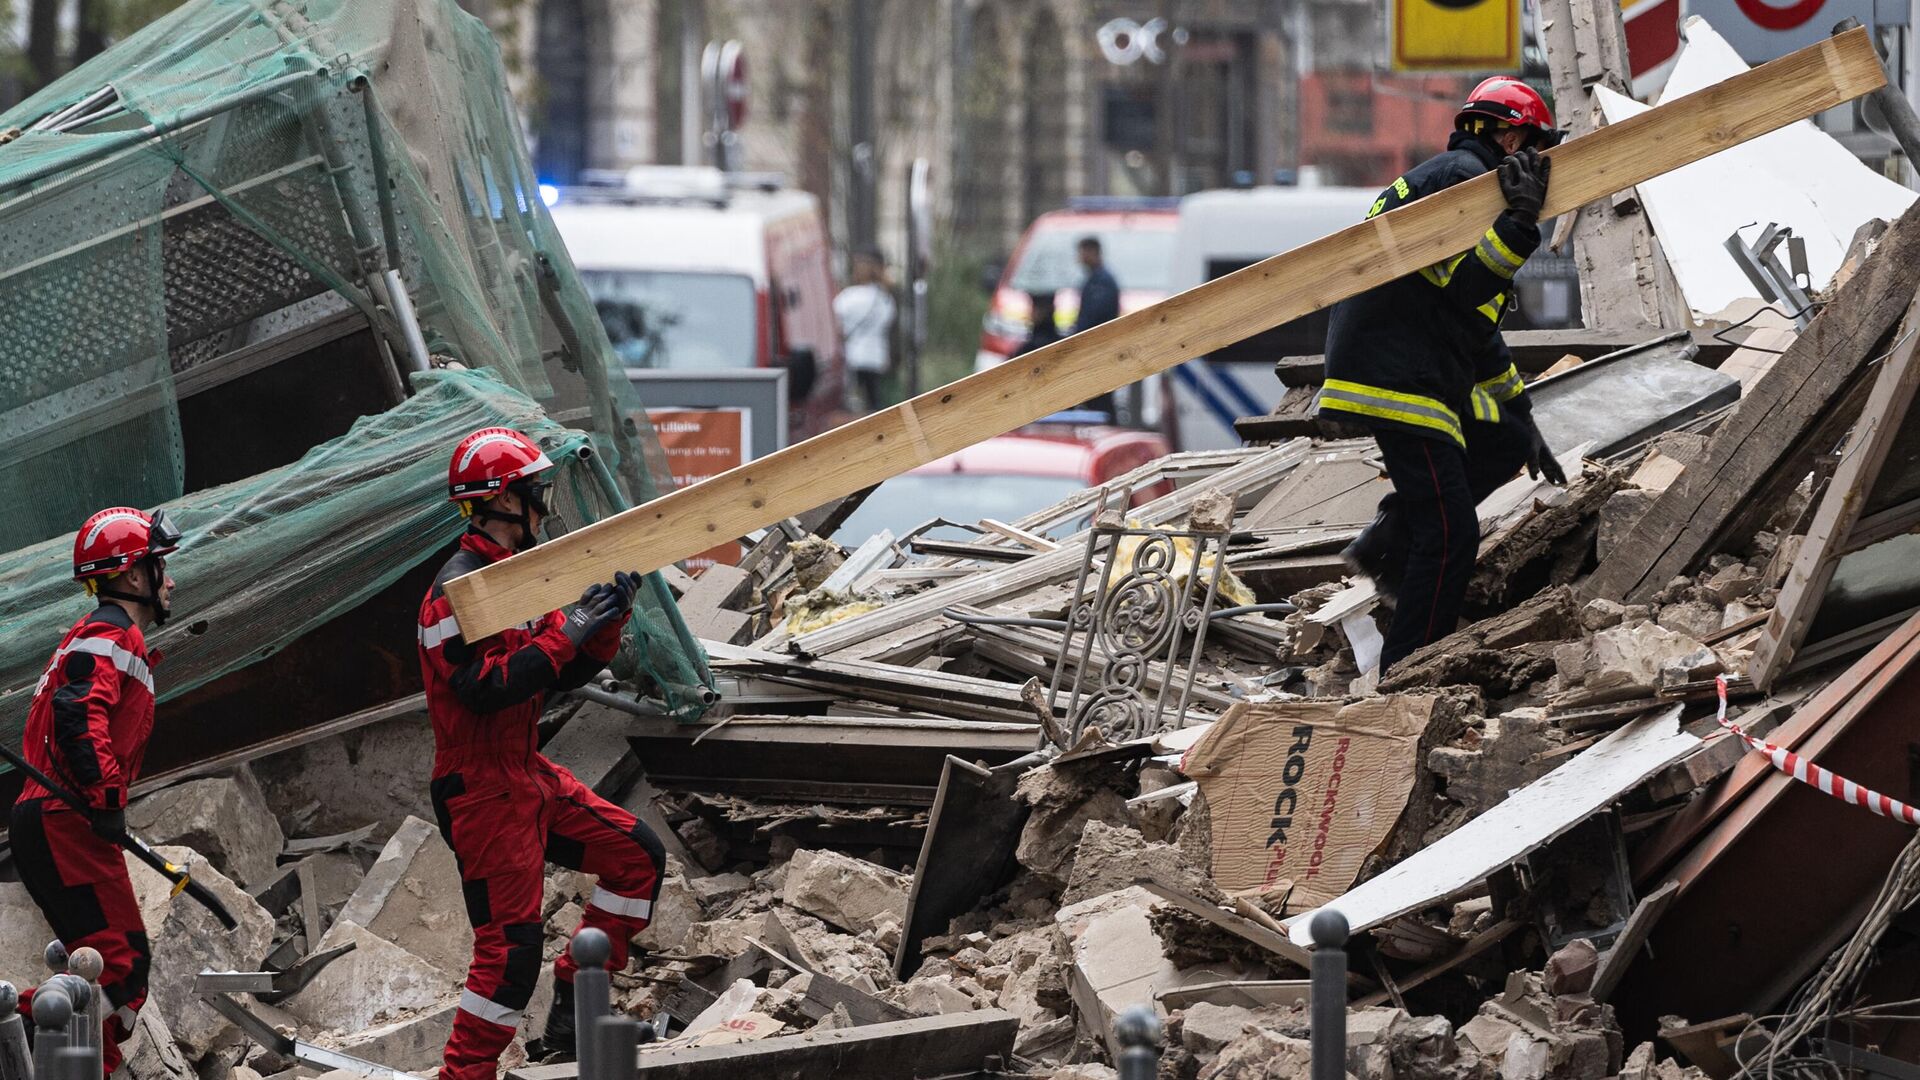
(1798, 176)
(1527, 819)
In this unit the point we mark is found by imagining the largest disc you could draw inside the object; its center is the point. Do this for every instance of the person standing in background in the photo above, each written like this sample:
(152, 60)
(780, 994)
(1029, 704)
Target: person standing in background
(1099, 293)
(865, 312)
(1045, 330)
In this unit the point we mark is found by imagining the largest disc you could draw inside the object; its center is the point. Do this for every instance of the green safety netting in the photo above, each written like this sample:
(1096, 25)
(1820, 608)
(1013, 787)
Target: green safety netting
(267, 559)
(238, 170)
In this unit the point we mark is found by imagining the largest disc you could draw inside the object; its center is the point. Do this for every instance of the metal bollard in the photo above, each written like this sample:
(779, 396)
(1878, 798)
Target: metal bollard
(55, 957)
(16, 1062)
(618, 1042)
(1328, 1009)
(1138, 1030)
(51, 1012)
(75, 1063)
(83, 1029)
(86, 963)
(592, 994)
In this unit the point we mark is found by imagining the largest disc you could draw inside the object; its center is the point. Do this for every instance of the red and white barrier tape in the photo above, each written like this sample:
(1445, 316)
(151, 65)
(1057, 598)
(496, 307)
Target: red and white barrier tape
(1816, 777)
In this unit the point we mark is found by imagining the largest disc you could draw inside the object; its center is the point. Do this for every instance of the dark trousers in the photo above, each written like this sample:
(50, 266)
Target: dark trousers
(872, 386)
(1429, 516)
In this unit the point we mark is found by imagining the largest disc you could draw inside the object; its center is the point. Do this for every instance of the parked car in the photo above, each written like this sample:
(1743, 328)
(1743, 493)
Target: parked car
(1008, 477)
(693, 269)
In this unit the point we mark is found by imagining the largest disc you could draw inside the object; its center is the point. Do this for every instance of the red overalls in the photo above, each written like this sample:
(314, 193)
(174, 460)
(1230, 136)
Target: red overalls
(87, 729)
(506, 810)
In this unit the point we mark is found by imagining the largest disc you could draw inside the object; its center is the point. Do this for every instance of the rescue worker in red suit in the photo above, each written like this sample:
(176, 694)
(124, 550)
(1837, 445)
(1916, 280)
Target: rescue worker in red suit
(503, 808)
(87, 729)
(1419, 364)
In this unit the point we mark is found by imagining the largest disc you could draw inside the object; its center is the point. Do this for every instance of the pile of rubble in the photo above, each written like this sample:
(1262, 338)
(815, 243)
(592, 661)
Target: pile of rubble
(961, 802)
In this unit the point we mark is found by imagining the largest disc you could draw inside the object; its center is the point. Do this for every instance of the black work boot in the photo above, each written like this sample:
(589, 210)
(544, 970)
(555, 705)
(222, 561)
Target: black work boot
(557, 1042)
(1378, 553)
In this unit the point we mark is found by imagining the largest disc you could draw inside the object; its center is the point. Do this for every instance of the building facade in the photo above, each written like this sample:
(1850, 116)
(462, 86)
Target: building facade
(1018, 105)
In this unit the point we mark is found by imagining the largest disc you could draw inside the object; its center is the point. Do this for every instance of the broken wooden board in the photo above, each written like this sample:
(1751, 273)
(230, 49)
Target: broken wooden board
(1242, 993)
(968, 853)
(1849, 497)
(1767, 442)
(1527, 820)
(952, 1044)
(1145, 342)
(1633, 936)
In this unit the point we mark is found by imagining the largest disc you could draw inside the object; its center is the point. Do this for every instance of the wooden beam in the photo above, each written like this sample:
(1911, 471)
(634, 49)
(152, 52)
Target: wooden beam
(953, 1044)
(1768, 443)
(1151, 340)
(1840, 508)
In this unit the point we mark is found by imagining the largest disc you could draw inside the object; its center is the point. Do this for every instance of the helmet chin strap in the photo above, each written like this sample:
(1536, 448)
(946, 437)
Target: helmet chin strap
(524, 519)
(150, 599)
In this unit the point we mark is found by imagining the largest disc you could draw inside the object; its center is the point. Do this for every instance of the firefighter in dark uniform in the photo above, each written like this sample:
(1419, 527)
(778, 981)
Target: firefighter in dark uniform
(87, 730)
(1419, 364)
(503, 807)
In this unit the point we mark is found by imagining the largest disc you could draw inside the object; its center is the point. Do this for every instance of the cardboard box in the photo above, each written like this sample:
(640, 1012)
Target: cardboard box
(1301, 792)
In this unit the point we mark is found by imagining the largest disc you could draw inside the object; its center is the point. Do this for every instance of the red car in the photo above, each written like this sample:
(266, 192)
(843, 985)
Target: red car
(1008, 477)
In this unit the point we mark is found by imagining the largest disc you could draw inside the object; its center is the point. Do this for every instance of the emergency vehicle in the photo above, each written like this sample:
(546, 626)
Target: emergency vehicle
(695, 269)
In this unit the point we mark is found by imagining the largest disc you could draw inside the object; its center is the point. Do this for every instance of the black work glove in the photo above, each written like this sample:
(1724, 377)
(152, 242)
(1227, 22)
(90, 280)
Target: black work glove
(109, 824)
(1523, 182)
(598, 606)
(1540, 459)
(626, 586)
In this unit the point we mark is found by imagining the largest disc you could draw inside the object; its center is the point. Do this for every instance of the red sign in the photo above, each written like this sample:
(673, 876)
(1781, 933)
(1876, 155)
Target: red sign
(702, 443)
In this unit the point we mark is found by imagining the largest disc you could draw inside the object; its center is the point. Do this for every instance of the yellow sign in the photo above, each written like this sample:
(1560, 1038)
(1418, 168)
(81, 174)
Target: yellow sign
(1456, 35)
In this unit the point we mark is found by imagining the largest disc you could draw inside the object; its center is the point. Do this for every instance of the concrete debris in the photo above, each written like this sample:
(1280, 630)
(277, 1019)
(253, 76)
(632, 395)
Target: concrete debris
(1500, 754)
(847, 892)
(1062, 802)
(1206, 1029)
(152, 1053)
(717, 891)
(414, 1043)
(1261, 1054)
(375, 984)
(1622, 662)
(675, 911)
(404, 900)
(1112, 857)
(1570, 970)
(225, 819)
(1620, 514)
(23, 934)
(187, 940)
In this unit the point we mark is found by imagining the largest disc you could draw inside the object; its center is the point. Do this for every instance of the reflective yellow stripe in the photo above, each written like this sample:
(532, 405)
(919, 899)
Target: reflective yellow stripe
(1494, 308)
(1505, 386)
(1442, 273)
(1412, 409)
(1500, 246)
(1485, 408)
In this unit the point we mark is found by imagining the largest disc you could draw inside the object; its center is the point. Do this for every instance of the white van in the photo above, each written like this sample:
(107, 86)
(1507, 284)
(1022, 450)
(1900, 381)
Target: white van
(1220, 232)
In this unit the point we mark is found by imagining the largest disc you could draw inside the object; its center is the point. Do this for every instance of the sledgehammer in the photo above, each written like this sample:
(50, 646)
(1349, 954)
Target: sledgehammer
(182, 882)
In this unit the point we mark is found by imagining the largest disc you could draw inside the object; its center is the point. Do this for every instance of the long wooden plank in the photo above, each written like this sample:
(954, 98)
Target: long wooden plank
(1866, 450)
(1153, 339)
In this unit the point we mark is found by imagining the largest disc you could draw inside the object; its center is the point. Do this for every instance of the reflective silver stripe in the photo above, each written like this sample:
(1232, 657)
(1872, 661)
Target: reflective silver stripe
(1443, 419)
(431, 637)
(123, 659)
(614, 904)
(491, 1011)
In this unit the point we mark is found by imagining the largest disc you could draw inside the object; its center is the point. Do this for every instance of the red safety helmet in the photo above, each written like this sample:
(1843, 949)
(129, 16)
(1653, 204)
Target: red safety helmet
(118, 537)
(488, 460)
(1509, 101)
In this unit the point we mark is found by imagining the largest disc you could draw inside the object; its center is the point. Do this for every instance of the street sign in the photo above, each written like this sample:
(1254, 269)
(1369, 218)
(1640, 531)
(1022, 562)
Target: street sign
(1653, 42)
(1455, 35)
(1762, 30)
